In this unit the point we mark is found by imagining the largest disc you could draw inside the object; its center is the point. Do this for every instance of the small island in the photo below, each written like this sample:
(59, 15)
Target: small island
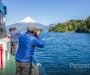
(82, 26)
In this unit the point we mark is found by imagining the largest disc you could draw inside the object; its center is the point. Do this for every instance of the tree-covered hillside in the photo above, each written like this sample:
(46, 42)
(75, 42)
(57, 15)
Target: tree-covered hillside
(72, 25)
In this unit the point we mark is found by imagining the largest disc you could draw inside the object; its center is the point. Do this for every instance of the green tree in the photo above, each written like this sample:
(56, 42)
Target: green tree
(72, 25)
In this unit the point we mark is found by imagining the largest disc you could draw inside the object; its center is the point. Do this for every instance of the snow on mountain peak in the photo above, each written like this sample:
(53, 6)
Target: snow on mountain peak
(27, 20)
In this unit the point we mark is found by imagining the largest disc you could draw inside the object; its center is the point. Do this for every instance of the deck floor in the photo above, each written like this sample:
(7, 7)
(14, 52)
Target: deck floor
(10, 67)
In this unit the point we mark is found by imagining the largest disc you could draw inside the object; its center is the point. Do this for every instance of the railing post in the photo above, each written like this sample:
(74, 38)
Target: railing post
(1, 56)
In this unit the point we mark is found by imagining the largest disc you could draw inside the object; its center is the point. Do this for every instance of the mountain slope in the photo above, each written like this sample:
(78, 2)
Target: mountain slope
(46, 28)
(23, 24)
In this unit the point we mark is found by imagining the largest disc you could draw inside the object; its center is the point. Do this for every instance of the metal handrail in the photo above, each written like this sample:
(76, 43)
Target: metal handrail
(38, 67)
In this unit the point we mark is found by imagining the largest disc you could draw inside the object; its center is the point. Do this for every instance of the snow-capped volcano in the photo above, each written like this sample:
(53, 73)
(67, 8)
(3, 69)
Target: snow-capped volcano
(27, 20)
(23, 24)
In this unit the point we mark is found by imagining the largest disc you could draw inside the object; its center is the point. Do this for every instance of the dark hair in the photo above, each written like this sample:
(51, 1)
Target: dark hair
(10, 29)
(14, 28)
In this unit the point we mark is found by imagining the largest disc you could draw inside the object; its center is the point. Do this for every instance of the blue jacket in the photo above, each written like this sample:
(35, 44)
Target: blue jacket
(26, 47)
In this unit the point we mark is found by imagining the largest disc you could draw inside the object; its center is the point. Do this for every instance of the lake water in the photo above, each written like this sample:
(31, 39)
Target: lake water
(65, 53)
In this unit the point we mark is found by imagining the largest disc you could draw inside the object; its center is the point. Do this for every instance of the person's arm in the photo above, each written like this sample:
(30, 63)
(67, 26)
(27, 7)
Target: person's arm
(37, 42)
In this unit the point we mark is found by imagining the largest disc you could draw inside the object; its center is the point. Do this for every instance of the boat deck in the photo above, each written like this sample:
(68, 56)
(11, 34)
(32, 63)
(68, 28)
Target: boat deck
(10, 67)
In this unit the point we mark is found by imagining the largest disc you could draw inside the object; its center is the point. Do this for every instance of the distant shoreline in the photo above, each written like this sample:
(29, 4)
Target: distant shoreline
(71, 32)
(79, 26)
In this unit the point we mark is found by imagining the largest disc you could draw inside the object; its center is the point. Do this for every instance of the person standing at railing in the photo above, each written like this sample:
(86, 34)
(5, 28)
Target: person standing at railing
(27, 42)
(14, 40)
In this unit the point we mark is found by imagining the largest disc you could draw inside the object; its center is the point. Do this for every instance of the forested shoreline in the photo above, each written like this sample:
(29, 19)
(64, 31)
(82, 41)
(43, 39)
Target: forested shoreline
(72, 26)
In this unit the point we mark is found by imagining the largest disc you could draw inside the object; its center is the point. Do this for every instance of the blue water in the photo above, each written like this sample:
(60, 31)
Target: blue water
(61, 49)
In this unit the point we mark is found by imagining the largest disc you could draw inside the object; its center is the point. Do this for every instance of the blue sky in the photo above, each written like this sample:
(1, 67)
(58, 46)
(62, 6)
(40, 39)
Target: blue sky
(46, 11)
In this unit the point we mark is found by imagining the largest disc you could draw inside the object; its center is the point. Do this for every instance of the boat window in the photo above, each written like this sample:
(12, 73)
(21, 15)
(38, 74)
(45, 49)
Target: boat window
(1, 18)
(2, 24)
